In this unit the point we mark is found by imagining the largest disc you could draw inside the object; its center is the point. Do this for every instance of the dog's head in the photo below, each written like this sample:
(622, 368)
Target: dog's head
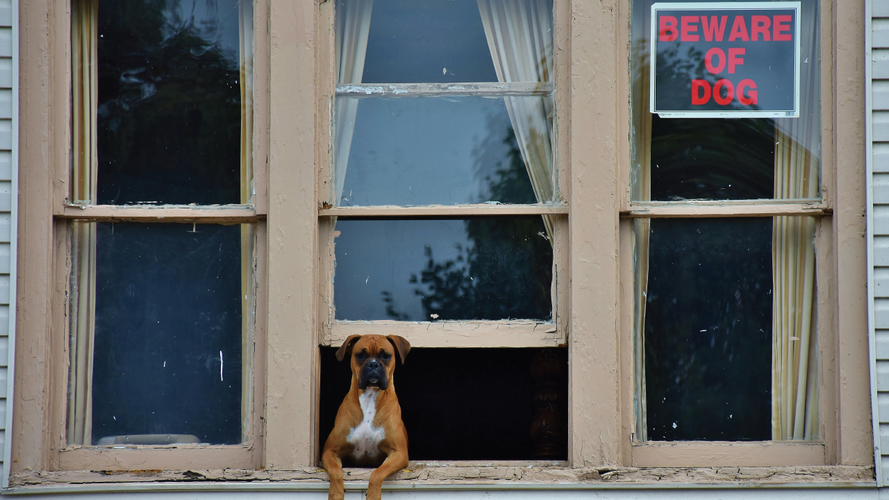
(373, 358)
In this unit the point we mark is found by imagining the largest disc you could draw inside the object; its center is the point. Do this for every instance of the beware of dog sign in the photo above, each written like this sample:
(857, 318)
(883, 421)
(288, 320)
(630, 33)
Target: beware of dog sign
(722, 59)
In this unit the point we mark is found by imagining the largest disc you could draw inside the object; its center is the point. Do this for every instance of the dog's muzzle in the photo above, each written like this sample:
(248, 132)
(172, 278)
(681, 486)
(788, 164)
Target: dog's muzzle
(373, 373)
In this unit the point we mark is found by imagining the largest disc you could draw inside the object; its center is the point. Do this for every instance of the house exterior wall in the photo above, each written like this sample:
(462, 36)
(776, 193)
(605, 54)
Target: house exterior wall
(880, 285)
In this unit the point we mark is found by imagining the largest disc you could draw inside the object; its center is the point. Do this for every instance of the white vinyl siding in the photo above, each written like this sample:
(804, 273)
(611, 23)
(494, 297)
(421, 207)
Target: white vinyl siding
(879, 133)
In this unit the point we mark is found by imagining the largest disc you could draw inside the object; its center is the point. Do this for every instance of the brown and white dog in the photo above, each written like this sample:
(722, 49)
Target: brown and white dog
(368, 431)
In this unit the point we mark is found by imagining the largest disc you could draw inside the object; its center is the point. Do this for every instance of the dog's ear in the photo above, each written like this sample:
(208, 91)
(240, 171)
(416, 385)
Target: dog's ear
(401, 345)
(346, 348)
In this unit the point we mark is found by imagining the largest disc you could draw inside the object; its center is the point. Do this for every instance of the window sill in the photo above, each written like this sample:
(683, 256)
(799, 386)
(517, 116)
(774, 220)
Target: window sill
(436, 476)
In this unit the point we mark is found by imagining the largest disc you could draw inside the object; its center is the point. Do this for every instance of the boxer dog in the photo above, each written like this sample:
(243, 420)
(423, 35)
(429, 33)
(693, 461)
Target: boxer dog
(368, 431)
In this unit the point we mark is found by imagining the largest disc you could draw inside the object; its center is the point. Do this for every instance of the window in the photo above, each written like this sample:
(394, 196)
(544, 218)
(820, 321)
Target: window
(444, 211)
(725, 316)
(162, 259)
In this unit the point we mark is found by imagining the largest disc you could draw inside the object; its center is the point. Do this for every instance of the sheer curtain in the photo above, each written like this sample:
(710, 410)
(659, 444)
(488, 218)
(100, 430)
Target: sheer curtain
(794, 350)
(353, 26)
(84, 21)
(519, 34)
(641, 191)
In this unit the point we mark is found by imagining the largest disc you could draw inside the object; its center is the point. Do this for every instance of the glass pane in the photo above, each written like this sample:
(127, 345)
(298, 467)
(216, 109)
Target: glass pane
(425, 41)
(708, 329)
(426, 270)
(428, 151)
(168, 334)
(716, 158)
(169, 102)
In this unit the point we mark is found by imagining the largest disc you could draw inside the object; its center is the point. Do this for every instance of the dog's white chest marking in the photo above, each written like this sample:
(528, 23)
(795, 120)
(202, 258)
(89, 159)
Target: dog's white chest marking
(365, 438)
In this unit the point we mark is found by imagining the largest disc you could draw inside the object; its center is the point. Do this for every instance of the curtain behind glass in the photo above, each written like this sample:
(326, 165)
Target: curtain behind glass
(797, 165)
(520, 37)
(352, 29)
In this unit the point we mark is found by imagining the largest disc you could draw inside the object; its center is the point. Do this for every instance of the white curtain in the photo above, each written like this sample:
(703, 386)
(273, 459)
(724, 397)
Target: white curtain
(520, 37)
(352, 28)
(794, 350)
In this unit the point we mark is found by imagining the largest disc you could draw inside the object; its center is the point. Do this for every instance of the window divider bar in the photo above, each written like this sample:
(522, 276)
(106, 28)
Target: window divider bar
(492, 89)
(712, 209)
(444, 210)
(204, 214)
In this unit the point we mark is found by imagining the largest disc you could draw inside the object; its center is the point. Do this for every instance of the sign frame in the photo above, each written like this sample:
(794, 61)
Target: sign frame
(716, 6)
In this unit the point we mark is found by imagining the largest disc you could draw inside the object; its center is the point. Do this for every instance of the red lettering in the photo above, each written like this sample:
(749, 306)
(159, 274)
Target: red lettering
(760, 26)
(739, 30)
(729, 92)
(689, 27)
(713, 30)
(781, 29)
(667, 29)
(747, 98)
(696, 87)
(708, 60)
(733, 59)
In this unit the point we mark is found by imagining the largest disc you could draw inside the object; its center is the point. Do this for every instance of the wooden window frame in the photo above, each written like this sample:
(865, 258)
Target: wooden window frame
(294, 90)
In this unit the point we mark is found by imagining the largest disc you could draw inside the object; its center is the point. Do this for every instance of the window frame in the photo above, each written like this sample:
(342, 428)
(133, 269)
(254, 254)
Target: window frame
(294, 71)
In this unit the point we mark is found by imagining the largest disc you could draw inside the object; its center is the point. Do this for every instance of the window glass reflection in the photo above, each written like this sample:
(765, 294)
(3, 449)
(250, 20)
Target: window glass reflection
(426, 41)
(168, 342)
(428, 151)
(708, 329)
(170, 101)
(425, 270)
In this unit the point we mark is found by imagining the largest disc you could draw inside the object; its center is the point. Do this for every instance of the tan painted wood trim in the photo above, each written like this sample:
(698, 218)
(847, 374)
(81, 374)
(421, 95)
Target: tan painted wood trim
(497, 89)
(855, 445)
(454, 333)
(451, 477)
(206, 214)
(158, 458)
(727, 454)
(444, 210)
(597, 94)
(695, 209)
(290, 422)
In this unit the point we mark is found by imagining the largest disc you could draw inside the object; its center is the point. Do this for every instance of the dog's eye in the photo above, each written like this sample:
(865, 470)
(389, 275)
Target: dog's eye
(361, 356)
(385, 356)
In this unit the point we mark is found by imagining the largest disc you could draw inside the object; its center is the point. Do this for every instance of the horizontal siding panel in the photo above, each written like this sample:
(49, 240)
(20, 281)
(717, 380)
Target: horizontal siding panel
(5, 197)
(881, 283)
(880, 95)
(3, 372)
(881, 219)
(883, 407)
(6, 104)
(881, 157)
(882, 337)
(6, 13)
(883, 379)
(881, 251)
(5, 42)
(880, 29)
(6, 134)
(4, 320)
(5, 165)
(884, 437)
(881, 123)
(4, 288)
(6, 72)
(881, 314)
(5, 227)
(880, 9)
(881, 184)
